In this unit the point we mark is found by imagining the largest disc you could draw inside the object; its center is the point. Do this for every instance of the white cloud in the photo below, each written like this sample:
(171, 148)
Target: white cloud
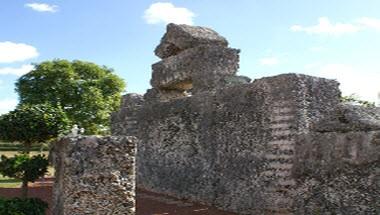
(12, 52)
(365, 84)
(16, 71)
(324, 26)
(312, 66)
(42, 7)
(369, 22)
(317, 49)
(7, 105)
(165, 12)
(269, 61)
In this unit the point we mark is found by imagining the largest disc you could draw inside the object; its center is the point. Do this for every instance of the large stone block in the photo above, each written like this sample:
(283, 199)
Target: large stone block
(124, 121)
(338, 172)
(180, 37)
(94, 175)
(233, 148)
(347, 117)
(199, 68)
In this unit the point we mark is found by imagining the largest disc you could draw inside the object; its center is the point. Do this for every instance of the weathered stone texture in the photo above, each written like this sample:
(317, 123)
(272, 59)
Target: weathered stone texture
(202, 67)
(180, 37)
(94, 175)
(194, 59)
(337, 164)
(348, 118)
(232, 148)
(351, 189)
(279, 145)
(124, 121)
(338, 173)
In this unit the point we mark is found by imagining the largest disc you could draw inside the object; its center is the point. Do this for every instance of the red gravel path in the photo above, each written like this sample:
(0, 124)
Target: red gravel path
(147, 203)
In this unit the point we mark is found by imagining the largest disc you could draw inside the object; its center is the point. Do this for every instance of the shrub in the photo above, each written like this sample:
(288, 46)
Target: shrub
(25, 168)
(30, 124)
(18, 206)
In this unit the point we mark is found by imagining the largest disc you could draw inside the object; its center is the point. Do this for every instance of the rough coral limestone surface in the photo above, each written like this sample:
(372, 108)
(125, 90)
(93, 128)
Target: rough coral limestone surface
(194, 60)
(94, 175)
(180, 37)
(278, 145)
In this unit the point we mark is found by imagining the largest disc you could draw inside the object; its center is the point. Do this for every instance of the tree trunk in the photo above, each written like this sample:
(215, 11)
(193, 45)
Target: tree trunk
(27, 147)
(24, 189)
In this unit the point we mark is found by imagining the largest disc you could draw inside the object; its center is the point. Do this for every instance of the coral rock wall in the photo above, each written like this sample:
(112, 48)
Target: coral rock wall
(94, 175)
(278, 145)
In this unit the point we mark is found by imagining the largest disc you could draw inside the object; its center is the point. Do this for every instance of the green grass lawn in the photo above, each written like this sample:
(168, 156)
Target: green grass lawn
(9, 182)
(12, 153)
(6, 182)
(17, 146)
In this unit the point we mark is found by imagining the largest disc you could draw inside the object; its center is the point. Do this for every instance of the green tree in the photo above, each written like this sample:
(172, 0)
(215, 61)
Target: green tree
(30, 124)
(25, 168)
(87, 92)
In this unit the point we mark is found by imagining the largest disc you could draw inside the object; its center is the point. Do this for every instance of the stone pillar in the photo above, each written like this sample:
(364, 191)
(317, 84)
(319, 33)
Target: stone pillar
(124, 121)
(94, 175)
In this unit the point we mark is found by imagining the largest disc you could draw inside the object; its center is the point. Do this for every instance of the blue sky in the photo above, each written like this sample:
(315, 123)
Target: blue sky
(337, 39)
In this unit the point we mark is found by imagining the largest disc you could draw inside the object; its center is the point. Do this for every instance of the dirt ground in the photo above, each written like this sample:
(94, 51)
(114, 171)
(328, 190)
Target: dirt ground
(147, 203)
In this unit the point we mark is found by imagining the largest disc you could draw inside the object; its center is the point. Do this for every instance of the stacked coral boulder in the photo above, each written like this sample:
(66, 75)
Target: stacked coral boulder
(194, 59)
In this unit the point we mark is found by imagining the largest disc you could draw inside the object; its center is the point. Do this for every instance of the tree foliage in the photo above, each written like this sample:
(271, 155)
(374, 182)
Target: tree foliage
(87, 92)
(354, 99)
(25, 168)
(30, 124)
(19, 206)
